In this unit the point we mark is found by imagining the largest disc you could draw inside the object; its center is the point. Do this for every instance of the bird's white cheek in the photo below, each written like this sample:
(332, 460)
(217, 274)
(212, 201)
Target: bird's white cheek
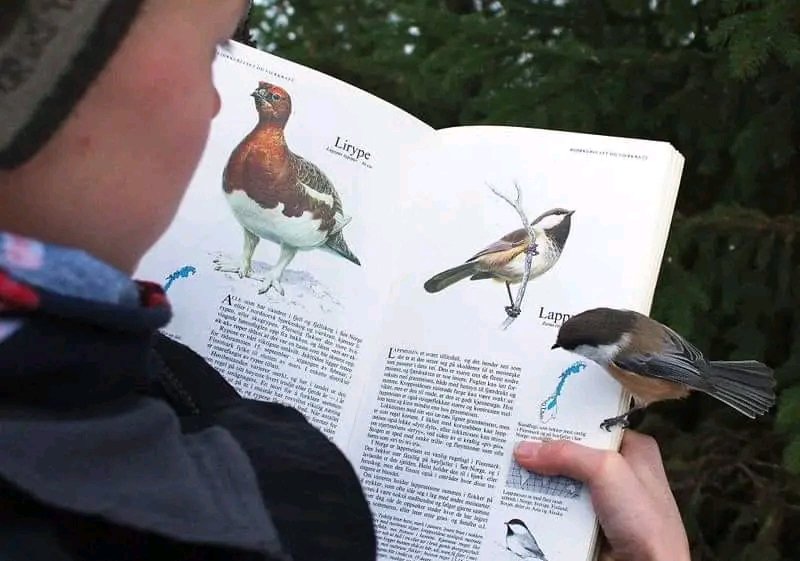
(601, 354)
(550, 221)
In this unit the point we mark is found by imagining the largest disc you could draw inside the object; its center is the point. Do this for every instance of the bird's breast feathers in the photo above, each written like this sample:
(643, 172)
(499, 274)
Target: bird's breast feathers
(293, 196)
(542, 262)
(646, 390)
(301, 231)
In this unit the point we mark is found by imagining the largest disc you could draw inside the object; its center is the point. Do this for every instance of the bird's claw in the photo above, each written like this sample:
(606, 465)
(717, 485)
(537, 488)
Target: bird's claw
(621, 422)
(231, 267)
(532, 249)
(271, 282)
(513, 311)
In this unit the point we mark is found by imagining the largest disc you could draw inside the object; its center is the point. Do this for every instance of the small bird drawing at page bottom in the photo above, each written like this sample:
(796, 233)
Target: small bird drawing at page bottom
(520, 541)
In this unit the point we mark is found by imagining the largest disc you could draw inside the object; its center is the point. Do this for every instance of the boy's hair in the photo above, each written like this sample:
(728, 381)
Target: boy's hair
(49, 54)
(243, 33)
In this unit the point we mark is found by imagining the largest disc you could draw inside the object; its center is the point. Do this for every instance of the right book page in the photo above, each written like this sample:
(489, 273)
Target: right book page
(453, 390)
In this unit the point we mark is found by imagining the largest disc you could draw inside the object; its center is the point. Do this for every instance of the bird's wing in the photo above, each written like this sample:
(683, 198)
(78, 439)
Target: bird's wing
(679, 361)
(509, 241)
(316, 183)
(531, 547)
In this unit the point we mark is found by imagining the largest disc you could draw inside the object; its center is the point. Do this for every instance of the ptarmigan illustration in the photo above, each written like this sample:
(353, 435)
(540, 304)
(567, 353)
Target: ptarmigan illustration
(278, 195)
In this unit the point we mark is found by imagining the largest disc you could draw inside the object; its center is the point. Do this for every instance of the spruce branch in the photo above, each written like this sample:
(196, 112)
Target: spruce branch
(515, 310)
(741, 219)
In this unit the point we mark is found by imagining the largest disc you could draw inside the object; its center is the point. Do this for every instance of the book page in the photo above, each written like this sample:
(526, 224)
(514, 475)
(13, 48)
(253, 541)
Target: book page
(453, 391)
(275, 264)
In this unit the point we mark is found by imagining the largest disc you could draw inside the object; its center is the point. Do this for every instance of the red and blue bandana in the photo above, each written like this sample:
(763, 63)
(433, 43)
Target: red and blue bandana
(38, 278)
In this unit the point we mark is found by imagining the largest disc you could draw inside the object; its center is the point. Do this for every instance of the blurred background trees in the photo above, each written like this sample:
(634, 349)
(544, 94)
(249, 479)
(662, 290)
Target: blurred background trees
(720, 80)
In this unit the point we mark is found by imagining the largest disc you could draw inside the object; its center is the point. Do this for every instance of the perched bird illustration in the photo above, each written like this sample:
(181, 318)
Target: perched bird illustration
(654, 363)
(278, 195)
(504, 260)
(521, 542)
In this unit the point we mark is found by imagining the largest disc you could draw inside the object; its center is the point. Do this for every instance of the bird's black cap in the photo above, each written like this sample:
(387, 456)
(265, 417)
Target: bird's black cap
(598, 326)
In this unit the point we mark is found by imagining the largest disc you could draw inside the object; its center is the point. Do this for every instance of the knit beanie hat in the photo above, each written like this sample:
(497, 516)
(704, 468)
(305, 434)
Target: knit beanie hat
(50, 52)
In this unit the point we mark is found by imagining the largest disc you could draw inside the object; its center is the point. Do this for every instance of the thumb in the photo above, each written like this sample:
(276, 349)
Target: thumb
(607, 474)
(564, 457)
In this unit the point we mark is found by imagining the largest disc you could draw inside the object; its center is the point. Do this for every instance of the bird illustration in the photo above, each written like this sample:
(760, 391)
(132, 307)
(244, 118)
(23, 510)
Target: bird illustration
(521, 542)
(504, 260)
(655, 363)
(278, 195)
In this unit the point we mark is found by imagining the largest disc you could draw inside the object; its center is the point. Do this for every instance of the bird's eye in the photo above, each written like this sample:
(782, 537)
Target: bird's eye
(276, 97)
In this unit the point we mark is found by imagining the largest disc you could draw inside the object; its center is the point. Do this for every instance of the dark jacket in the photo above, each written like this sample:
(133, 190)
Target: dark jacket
(119, 443)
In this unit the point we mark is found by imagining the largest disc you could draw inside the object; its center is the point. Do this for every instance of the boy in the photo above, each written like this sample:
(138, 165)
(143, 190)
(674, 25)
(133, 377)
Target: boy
(116, 443)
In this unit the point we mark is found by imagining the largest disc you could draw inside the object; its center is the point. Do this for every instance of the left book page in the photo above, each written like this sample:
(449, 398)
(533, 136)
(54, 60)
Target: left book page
(275, 264)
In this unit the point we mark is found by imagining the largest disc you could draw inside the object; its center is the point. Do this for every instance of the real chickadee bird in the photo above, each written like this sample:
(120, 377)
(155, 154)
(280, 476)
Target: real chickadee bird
(504, 260)
(654, 363)
(521, 542)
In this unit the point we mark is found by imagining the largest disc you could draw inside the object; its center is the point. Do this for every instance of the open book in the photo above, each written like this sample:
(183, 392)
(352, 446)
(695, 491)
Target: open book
(338, 255)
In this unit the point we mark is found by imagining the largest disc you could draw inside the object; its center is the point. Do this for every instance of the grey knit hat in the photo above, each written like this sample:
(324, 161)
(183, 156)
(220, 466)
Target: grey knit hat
(50, 51)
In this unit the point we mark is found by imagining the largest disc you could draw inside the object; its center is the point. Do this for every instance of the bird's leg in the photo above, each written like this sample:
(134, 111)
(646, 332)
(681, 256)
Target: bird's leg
(243, 267)
(512, 310)
(620, 420)
(250, 243)
(273, 278)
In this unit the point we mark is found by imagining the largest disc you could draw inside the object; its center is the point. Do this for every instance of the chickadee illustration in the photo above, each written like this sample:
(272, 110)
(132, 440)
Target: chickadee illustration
(504, 260)
(521, 542)
(654, 363)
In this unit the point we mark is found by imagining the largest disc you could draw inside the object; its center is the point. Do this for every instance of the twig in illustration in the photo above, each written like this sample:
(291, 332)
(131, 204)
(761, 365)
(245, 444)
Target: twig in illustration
(514, 310)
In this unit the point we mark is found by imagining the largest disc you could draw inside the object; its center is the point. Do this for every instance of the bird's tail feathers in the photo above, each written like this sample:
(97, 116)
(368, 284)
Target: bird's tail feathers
(746, 385)
(450, 276)
(337, 244)
(340, 221)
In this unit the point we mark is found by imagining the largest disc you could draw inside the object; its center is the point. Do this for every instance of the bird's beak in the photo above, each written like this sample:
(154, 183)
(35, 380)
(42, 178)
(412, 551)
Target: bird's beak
(570, 213)
(555, 346)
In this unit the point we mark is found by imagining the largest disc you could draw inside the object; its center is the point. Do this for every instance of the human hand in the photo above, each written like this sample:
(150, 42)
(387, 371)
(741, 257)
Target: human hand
(629, 491)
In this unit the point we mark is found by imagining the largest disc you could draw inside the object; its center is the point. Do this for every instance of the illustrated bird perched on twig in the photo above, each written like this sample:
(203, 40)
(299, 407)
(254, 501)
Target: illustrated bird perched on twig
(278, 195)
(504, 260)
(521, 542)
(654, 363)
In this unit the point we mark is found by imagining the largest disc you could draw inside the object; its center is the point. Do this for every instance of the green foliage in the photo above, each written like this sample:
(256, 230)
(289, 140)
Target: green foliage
(752, 36)
(716, 78)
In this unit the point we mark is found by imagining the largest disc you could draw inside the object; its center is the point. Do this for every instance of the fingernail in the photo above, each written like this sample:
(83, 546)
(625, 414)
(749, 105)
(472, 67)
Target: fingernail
(527, 450)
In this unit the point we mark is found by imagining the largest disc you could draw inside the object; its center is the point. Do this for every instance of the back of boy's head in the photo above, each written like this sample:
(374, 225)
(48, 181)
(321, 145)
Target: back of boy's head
(50, 52)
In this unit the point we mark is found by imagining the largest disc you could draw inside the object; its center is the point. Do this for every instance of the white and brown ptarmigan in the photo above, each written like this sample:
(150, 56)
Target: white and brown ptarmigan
(278, 195)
